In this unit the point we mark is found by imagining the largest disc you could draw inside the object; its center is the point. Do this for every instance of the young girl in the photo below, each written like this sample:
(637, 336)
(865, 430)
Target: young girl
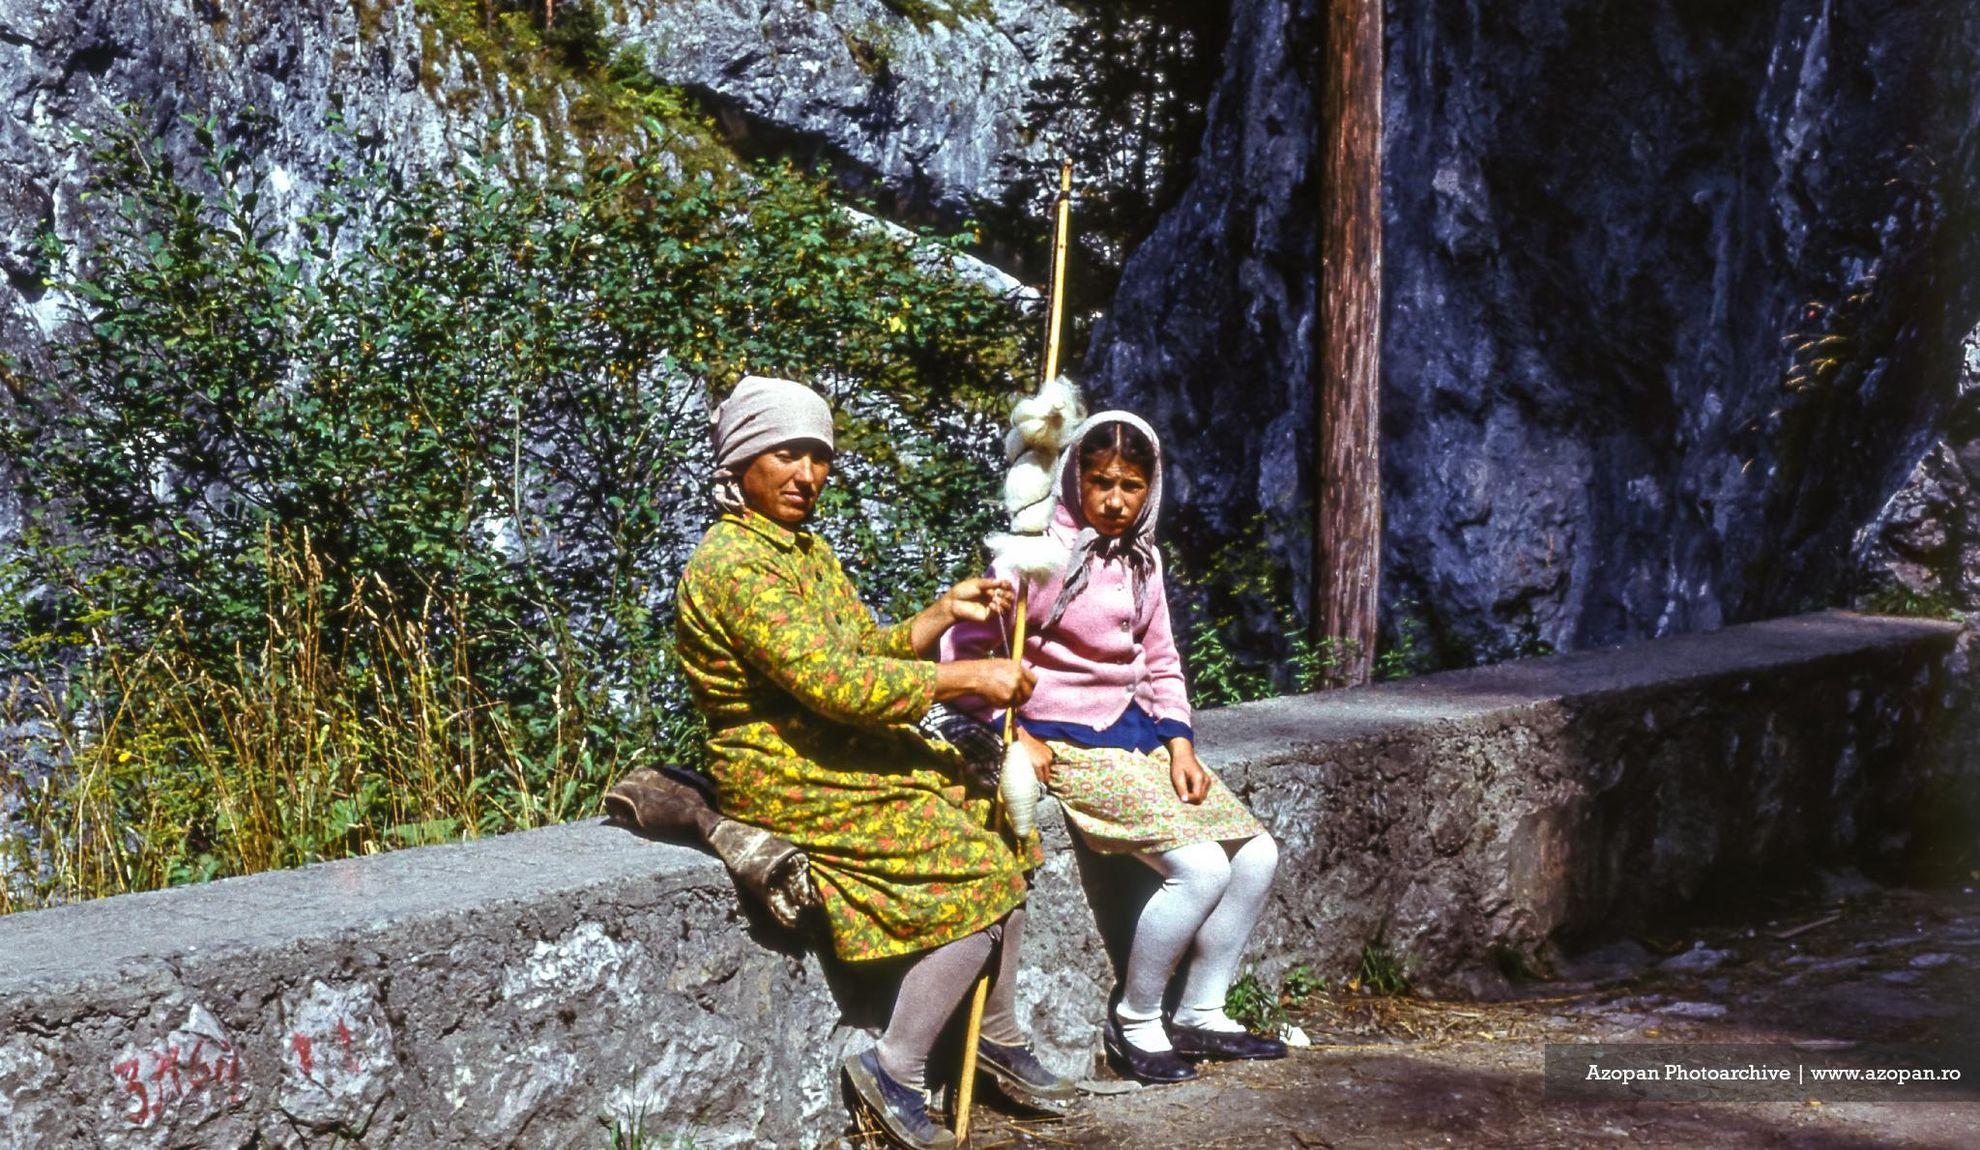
(1108, 728)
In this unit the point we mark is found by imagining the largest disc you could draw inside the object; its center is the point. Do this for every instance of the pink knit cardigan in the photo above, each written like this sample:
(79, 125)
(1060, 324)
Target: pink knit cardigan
(1100, 656)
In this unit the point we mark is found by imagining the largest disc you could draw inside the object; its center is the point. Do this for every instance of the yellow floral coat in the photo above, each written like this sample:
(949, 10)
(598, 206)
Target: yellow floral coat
(811, 706)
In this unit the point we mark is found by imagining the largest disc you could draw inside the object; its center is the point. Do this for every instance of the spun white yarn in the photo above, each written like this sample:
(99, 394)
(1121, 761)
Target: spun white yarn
(1039, 426)
(1019, 789)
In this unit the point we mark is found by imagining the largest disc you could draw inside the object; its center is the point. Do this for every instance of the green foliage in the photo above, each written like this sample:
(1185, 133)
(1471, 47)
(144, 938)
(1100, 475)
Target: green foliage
(1380, 972)
(572, 76)
(627, 1131)
(1263, 1010)
(1315, 665)
(925, 14)
(1217, 677)
(1407, 654)
(1301, 982)
(1218, 598)
(577, 35)
(429, 463)
(1897, 599)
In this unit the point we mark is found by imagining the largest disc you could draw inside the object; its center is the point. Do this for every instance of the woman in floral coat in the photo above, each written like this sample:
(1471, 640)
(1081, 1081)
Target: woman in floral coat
(811, 709)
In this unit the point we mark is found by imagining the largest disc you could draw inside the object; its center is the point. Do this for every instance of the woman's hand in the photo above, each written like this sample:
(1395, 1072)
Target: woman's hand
(978, 600)
(970, 601)
(999, 682)
(1191, 781)
(1041, 755)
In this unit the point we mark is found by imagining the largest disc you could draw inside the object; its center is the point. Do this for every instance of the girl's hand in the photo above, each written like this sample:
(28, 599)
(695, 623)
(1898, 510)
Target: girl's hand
(1191, 781)
(1041, 755)
(978, 600)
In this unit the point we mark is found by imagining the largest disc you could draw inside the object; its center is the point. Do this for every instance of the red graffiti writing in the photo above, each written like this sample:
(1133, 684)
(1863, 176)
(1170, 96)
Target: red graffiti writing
(153, 1081)
(310, 1055)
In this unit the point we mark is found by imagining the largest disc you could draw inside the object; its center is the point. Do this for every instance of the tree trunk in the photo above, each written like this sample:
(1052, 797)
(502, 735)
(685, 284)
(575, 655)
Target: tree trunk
(1348, 534)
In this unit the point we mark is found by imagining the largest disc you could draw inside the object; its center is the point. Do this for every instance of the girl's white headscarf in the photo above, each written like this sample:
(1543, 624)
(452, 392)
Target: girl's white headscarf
(762, 413)
(1135, 546)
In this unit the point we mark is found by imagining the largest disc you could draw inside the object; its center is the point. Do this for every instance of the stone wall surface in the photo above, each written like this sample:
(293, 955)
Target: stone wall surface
(509, 992)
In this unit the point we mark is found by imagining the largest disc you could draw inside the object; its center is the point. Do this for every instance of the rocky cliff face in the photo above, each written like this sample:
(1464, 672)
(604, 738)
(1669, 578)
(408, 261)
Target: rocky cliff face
(276, 74)
(922, 100)
(1674, 300)
(1675, 292)
(1212, 334)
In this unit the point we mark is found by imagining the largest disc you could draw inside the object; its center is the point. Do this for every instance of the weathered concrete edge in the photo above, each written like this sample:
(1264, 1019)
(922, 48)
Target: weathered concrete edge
(1293, 728)
(370, 896)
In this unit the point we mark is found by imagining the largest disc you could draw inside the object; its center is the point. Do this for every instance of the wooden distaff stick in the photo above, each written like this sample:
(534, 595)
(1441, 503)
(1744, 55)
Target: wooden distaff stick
(973, 1033)
(1060, 235)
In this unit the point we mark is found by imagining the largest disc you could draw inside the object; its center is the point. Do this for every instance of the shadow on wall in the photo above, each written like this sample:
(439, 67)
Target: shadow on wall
(1744, 789)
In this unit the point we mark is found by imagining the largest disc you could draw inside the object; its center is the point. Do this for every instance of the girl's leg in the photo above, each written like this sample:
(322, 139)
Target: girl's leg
(930, 992)
(1193, 880)
(1213, 962)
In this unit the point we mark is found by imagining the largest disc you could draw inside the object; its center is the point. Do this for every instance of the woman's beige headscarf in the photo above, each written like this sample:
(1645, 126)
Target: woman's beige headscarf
(762, 413)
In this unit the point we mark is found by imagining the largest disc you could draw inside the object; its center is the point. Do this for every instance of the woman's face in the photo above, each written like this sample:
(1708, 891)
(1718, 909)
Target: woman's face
(1111, 492)
(783, 483)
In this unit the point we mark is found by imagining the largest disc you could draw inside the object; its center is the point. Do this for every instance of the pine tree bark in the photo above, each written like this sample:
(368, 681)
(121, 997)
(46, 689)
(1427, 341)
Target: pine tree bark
(1348, 535)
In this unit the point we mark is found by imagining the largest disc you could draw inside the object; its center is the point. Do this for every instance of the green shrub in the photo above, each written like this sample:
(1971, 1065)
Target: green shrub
(445, 438)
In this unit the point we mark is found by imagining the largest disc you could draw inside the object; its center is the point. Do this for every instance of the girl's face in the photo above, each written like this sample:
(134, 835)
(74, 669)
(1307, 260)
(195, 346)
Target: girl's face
(783, 483)
(1111, 492)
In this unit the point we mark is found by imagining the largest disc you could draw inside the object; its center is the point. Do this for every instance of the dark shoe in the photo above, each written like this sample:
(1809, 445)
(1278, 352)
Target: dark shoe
(901, 1110)
(1194, 1042)
(1024, 1080)
(1144, 1065)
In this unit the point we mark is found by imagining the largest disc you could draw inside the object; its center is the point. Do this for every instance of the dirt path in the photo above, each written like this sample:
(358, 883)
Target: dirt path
(1388, 1072)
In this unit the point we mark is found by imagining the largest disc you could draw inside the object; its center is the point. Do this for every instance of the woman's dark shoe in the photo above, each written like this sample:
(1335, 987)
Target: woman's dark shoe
(901, 1110)
(1193, 1042)
(1145, 1065)
(1023, 1079)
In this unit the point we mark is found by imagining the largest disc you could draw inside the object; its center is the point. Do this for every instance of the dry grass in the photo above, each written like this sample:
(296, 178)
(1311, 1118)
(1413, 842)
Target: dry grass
(308, 748)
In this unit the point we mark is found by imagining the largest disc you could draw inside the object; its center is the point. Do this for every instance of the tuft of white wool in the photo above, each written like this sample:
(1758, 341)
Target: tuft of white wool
(1031, 556)
(1014, 445)
(1019, 789)
(1033, 520)
(1029, 481)
(1043, 420)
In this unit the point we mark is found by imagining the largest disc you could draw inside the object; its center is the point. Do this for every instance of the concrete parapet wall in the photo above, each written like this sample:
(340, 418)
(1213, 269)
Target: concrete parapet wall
(510, 992)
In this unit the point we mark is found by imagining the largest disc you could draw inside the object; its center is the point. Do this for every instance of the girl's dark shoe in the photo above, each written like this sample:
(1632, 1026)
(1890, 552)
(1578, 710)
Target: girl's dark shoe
(1024, 1080)
(901, 1110)
(1144, 1065)
(1193, 1042)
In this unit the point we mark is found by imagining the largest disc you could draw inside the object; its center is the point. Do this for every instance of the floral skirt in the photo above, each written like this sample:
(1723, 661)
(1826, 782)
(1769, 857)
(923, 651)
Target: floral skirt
(1123, 801)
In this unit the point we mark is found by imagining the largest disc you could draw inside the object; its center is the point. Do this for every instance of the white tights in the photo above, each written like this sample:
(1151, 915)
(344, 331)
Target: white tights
(1210, 897)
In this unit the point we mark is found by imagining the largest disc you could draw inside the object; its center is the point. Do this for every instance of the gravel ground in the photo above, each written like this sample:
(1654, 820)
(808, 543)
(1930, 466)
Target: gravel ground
(1863, 965)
